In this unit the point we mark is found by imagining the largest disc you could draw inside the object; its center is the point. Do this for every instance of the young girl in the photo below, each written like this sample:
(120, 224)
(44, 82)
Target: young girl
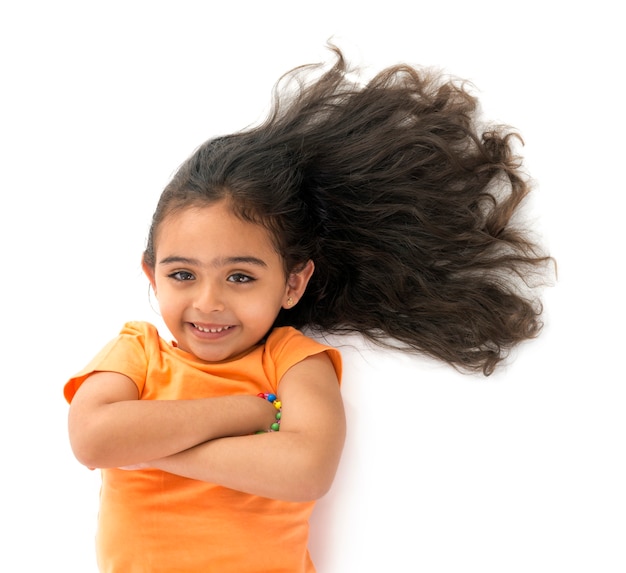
(380, 208)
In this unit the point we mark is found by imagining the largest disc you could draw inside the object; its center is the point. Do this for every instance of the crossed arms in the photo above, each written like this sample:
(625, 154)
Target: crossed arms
(211, 439)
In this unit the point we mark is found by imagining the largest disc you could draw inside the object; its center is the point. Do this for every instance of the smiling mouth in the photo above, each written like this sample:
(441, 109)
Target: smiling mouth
(211, 330)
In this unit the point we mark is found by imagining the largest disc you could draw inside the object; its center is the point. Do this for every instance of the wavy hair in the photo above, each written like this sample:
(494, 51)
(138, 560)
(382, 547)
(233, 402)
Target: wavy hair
(405, 202)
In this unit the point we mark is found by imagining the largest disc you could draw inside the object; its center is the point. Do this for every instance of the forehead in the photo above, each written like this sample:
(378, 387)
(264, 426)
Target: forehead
(213, 231)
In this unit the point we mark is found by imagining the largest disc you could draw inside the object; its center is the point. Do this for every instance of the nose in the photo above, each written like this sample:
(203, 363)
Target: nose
(208, 298)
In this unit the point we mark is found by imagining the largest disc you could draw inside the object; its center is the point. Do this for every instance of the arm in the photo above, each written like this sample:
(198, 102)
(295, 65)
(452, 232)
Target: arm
(299, 462)
(110, 427)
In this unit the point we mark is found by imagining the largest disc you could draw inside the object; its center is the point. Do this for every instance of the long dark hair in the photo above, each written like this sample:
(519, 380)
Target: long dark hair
(399, 196)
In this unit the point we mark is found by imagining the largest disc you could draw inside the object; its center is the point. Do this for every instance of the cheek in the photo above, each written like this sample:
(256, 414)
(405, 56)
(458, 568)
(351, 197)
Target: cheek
(168, 297)
(263, 308)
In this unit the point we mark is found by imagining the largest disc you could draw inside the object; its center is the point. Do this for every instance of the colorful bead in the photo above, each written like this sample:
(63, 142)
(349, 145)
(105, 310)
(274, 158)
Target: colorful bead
(272, 398)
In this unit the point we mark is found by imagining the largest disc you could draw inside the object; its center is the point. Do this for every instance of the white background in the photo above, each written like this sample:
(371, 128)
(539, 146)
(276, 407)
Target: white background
(101, 101)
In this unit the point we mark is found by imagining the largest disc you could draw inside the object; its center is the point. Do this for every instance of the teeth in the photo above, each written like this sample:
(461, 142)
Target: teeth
(212, 330)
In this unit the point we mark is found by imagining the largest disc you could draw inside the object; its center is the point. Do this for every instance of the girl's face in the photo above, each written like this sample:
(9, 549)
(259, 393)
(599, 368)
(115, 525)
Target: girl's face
(219, 281)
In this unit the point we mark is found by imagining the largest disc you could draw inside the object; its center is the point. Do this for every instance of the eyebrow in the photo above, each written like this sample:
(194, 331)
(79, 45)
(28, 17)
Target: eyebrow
(249, 260)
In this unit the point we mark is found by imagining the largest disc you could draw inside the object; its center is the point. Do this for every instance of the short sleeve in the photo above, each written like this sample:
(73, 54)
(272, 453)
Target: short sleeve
(286, 346)
(126, 354)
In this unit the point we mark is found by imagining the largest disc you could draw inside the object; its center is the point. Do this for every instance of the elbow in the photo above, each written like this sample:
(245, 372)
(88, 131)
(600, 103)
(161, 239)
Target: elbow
(322, 485)
(96, 458)
(84, 453)
(313, 485)
(315, 491)
(317, 473)
(90, 445)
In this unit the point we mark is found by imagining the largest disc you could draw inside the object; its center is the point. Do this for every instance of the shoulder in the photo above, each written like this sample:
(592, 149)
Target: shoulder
(143, 335)
(290, 339)
(128, 353)
(286, 346)
(139, 329)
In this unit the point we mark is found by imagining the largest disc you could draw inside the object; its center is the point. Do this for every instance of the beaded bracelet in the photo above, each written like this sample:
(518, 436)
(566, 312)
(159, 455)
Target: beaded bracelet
(278, 405)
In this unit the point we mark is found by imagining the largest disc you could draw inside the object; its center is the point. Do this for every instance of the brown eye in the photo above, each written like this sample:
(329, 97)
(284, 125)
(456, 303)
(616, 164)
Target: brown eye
(181, 276)
(240, 278)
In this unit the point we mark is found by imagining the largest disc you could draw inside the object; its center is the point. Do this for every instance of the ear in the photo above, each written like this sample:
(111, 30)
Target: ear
(149, 272)
(297, 283)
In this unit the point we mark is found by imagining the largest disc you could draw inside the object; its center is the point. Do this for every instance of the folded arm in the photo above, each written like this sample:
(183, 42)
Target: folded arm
(110, 427)
(299, 462)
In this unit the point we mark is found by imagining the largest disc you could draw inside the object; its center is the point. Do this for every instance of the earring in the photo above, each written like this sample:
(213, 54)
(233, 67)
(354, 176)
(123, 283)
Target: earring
(289, 301)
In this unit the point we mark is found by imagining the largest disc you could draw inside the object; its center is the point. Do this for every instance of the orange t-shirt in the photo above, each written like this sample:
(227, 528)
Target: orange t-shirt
(154, 521)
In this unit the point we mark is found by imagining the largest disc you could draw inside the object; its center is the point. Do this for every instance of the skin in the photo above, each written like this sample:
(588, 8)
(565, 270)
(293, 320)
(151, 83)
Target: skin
(220, 284)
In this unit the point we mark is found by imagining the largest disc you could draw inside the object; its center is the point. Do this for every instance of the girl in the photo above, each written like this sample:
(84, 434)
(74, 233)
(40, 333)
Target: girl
(380, 208)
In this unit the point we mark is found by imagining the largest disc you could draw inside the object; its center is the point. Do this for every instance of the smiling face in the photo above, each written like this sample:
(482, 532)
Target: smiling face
(219, 281)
